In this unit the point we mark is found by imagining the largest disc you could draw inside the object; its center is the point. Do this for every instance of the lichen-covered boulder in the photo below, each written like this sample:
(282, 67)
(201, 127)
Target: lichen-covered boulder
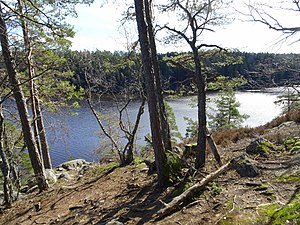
(75, 164)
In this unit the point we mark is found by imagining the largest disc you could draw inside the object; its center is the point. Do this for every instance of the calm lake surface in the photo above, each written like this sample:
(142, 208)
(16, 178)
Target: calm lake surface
(77, 136)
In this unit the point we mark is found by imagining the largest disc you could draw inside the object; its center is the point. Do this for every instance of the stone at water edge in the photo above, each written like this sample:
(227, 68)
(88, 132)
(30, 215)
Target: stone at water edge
(75, 164)
(64, 175)
(50, 176)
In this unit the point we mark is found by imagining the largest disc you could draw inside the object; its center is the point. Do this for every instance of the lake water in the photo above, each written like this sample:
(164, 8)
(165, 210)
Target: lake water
(77, 136)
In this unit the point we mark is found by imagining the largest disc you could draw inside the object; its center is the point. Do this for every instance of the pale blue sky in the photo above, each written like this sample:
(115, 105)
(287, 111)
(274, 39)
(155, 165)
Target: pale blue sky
(99, 28)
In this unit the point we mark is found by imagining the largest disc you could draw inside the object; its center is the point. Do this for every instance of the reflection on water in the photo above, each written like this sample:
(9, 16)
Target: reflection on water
(77, 136)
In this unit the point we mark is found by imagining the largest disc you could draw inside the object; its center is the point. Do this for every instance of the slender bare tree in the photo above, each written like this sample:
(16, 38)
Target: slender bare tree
(197, 17)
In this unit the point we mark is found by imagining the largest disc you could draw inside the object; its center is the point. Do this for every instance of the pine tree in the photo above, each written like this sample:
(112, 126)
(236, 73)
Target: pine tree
(227, 113)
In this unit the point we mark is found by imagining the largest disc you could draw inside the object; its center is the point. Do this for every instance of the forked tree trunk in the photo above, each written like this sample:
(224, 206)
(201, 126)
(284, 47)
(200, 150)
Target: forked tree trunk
(22, 108)
(153, 106)
(38, 126)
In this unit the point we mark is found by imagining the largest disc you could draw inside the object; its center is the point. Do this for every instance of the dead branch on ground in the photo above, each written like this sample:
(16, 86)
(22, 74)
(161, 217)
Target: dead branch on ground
(178, 202)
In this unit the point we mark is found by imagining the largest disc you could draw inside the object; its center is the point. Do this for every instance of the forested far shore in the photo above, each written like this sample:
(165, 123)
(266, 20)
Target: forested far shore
(113, 72)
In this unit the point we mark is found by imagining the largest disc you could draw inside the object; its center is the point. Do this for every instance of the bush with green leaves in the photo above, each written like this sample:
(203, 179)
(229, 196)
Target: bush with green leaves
(173, 166)
(175, 134)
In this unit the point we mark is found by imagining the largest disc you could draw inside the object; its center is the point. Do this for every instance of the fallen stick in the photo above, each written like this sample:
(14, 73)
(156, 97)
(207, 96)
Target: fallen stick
(178, 202)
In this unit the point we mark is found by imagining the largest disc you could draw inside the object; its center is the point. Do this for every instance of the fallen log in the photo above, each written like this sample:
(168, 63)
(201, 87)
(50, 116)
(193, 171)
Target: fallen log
(178, 202)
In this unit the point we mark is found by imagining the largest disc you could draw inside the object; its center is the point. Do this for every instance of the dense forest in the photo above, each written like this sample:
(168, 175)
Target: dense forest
(118, 69)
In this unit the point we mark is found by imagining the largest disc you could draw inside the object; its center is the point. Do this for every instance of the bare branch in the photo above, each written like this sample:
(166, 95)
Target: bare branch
(212, 46)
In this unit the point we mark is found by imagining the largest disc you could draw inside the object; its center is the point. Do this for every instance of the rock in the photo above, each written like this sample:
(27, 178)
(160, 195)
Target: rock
(50, 176)
(31, 182)
(114, 222)
(75, 164)
(64, 175)
(254, 147)
(38, 207)
(245, 167)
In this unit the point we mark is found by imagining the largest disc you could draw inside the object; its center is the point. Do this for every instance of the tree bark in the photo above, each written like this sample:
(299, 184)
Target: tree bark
(153, 106)
(5, 168)
(38, 126)
(201, 138)
(162, 109)
(22, 108)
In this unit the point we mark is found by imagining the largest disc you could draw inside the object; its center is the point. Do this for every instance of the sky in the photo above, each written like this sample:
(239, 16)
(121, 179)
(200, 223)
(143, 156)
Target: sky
(99, 27)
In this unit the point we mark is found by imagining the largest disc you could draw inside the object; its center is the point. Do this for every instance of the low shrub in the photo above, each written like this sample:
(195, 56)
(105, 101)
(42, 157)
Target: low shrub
(228, 136)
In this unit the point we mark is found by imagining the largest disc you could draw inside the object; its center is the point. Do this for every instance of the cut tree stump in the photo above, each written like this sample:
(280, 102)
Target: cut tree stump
(178, 202)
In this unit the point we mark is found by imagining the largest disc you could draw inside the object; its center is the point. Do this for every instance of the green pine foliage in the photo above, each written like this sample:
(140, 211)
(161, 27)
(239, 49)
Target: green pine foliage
(226, 114)
(175, 134)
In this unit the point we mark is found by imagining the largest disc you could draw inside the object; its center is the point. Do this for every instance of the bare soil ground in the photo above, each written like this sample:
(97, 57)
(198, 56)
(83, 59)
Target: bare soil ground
(129, 196)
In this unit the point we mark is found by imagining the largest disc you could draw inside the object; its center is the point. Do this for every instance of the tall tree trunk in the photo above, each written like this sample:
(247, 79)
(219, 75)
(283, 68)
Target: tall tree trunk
(5, 168)
(155, 123)
(162, 109)
(22, 108)
(201, 138)
(38, 126)
(42, 135)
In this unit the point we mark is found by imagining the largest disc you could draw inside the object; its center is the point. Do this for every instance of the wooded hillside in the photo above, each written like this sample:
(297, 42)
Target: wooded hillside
(119, 68)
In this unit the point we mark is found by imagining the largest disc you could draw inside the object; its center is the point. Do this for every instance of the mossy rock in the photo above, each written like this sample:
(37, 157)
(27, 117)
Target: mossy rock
(292, 145)
(245, 167)
(260, 146)
(265, 147)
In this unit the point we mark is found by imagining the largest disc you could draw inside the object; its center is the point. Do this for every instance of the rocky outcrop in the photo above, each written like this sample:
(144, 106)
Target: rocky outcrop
(72, 169)
(76, 164)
